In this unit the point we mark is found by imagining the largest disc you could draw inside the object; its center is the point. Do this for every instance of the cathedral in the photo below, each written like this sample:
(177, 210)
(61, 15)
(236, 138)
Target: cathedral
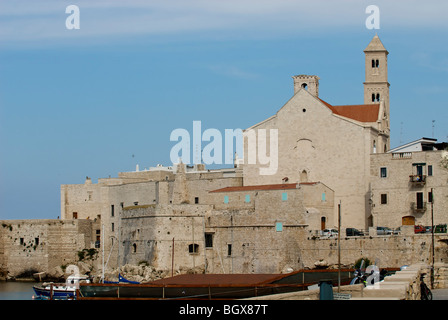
(321, 142)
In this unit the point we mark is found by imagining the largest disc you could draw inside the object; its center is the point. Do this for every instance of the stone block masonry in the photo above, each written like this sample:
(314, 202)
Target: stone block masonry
(28, 246)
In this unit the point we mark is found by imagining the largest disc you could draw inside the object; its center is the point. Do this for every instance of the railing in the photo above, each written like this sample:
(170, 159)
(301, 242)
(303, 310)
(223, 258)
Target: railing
(417, 179)
(402, 155)
(418, 207)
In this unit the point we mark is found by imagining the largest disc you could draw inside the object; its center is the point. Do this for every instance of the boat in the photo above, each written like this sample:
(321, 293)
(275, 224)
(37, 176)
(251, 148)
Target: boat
(212, 286)
(60, 291)
(121, 279)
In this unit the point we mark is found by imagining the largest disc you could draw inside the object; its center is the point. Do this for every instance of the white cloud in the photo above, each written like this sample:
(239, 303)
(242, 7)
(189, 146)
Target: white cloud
(28, 20)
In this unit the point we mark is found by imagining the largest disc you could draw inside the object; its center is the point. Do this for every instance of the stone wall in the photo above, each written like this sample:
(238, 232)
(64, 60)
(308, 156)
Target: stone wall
(41, 245)
(392, 251)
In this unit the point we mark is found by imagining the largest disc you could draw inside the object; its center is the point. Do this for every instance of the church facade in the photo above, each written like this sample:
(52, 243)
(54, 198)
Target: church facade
(318, 141)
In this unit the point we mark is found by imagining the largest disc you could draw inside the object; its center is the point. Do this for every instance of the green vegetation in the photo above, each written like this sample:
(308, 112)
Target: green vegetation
(88, 254)
(367, 263)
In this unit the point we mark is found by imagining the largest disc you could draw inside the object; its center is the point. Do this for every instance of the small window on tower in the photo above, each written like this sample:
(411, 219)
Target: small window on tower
(373, 97)
(384, 198)
(377, 63)
(377, 97)
(304, 86)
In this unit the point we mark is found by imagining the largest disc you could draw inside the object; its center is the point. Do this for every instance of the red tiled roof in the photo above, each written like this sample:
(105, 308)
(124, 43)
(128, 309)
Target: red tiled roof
(359, 112)
(283, 186)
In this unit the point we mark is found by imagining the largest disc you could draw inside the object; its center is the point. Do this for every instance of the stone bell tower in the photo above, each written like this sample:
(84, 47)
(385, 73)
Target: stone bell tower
(376, 86)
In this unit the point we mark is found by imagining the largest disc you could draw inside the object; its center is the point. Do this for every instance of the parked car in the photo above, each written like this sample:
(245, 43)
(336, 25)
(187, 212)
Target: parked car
(397, 231)
(383, 231)
(440, 228)
(330, 233)
(428, 229)
(353, 232)
(419, 229)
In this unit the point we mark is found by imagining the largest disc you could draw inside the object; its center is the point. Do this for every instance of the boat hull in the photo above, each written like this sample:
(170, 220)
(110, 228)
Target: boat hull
(57, 294)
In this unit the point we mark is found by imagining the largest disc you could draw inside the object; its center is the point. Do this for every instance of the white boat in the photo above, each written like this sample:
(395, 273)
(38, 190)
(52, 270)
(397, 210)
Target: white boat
(58, 291)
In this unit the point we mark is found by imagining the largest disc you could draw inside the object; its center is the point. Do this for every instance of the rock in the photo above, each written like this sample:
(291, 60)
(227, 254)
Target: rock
(321, 264)
(56, 273)
(287, 270)
(83, 267)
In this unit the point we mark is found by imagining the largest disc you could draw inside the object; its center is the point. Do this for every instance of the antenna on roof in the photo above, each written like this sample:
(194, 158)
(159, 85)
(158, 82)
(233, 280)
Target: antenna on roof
(433, 125)
(401, 132)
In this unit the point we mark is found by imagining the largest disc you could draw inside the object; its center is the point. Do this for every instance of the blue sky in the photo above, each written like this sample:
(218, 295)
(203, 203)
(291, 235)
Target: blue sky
(96, 101)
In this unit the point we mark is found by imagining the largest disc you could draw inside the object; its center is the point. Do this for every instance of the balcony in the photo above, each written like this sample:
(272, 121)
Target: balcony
(417, 179)
(418, 207)
(402, 155)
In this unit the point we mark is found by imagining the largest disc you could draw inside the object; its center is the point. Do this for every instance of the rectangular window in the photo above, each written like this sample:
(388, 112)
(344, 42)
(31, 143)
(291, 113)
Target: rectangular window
(284, 196)
(21, 241)
(113, 227)
(323, 197)
(36, 241)
(247, 198)
(229, 249)
(196, 200)
(193, 248)
(430, 170)
(75, 215)
(383, 172)
(429, 196)
(419, 200)
(226, 199)
(209, 240)
(384, 198)
(278, 226)
(112, 210)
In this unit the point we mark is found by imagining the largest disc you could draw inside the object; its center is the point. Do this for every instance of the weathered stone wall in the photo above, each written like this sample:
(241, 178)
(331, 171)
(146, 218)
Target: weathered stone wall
(391, 251)
(147, 234)
(41, 245)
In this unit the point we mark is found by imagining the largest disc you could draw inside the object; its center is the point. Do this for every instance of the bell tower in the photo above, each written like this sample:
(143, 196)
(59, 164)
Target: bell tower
(309, 83)
(376, 86)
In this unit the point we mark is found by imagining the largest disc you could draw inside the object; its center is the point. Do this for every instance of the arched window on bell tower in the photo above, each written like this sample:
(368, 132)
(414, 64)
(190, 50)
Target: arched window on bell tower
(375, 97)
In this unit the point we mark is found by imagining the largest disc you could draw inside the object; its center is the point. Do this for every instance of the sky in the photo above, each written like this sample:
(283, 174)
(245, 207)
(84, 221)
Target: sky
(100, 99)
